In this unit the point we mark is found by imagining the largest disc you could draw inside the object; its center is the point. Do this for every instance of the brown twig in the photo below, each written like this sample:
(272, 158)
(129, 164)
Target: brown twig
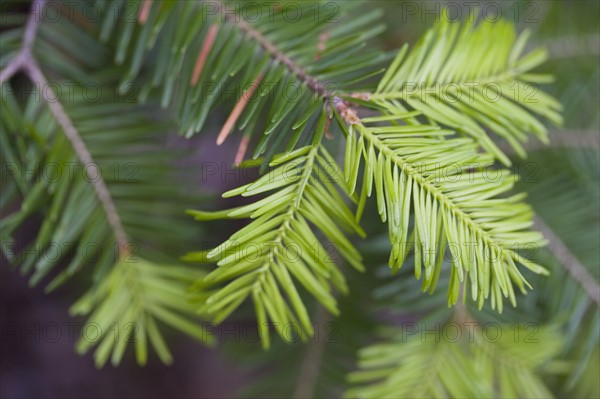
(346, 112)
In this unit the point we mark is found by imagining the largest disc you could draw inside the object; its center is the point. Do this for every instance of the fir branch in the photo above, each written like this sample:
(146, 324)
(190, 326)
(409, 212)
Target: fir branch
(447, 87)
(35, 74)
(302, 193)
(270, 48)
(26, 62)
(461, 210)
(81, 211)
(473, 366)
(283, 53)
(276, 54)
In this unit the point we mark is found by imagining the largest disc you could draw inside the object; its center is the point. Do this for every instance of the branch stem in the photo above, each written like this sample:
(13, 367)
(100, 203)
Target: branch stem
(37, 77)
(24, 57)
(569, 261)
(26, 62)
(274, 52)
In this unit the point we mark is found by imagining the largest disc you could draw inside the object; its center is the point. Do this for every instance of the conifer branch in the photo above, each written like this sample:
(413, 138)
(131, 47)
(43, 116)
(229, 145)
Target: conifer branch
(35, 74)
(346, 111)
(405, 154)
(457, 212)
(275, 53)
(269, 47)
(26, 62)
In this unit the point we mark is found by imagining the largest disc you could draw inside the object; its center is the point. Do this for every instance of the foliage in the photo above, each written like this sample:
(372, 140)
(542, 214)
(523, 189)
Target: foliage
(261, 258)
(427, 141)
(474, 365)
(46, 173)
